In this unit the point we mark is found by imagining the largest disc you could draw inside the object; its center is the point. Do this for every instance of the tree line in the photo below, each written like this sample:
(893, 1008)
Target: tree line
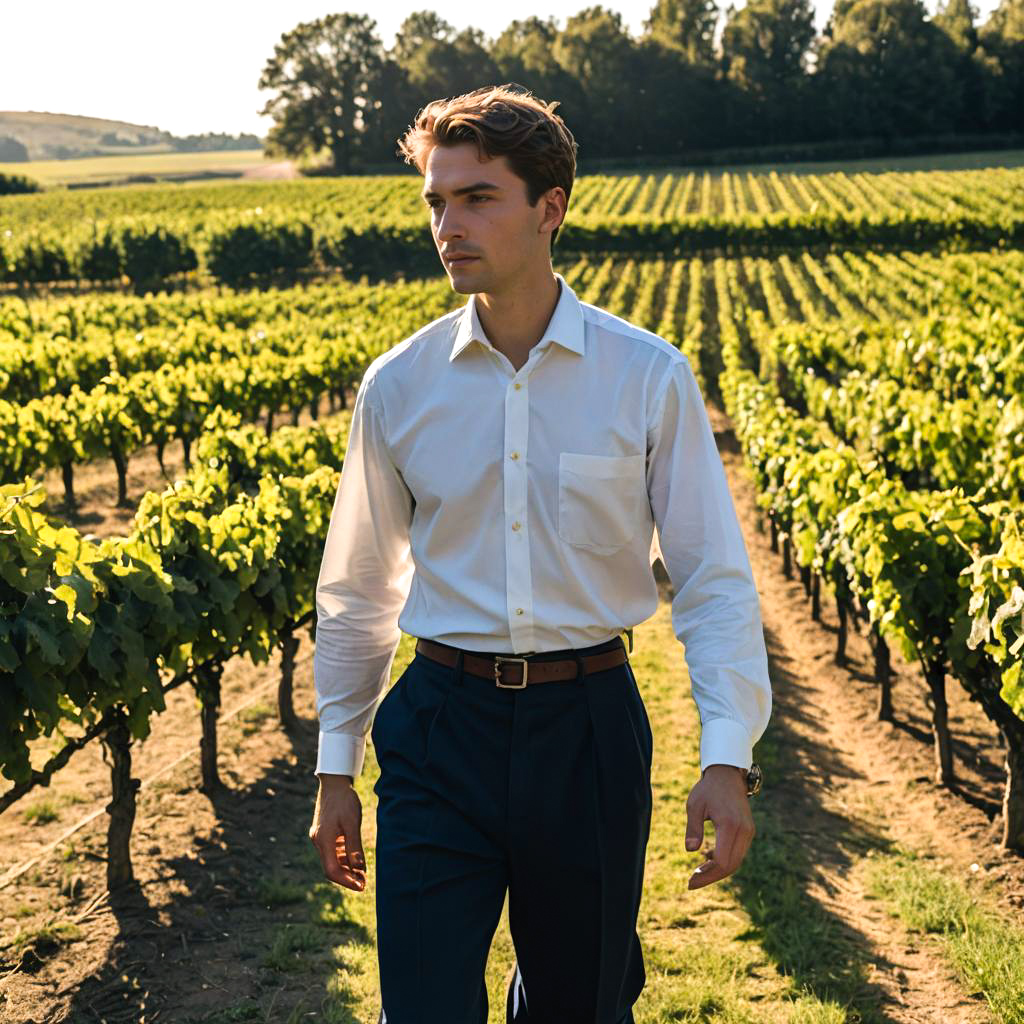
(696, 79)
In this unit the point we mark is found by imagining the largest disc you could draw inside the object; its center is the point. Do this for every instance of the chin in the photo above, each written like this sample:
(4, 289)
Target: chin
(466, 283)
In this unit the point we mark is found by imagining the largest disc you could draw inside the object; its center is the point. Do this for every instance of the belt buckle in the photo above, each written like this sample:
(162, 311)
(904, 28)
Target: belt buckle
(498, 659)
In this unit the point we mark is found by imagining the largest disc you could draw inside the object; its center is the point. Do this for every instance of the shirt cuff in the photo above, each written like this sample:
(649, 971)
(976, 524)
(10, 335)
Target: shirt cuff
(725, 741)
(340, 753)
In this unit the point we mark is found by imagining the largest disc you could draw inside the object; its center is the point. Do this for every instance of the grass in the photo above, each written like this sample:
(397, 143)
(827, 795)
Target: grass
(276, 892)
(47, 938)
(289, 941)
(48, 808)
(41, 812)
(69, 852)
(117, 168)
(253, 717)
(983, 944)
(238, 1014)
(717, 953)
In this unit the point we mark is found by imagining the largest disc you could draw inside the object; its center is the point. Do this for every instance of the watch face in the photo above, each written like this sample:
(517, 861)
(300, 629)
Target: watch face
(753, 780)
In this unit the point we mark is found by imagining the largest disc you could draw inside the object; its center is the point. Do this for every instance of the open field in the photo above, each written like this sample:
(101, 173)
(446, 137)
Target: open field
(118, 169)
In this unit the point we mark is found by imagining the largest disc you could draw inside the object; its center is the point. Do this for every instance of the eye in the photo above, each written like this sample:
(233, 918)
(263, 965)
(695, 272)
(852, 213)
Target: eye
(435, 203)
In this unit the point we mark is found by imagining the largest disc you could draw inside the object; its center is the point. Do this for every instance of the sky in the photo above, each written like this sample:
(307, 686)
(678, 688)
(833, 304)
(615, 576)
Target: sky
(193, 66)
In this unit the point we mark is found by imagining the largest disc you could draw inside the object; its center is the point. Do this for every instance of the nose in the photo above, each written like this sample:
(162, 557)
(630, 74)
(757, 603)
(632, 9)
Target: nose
(448, 226)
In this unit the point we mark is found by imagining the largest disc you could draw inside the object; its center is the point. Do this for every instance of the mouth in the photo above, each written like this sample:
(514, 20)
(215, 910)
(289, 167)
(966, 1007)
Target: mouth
(460, 261)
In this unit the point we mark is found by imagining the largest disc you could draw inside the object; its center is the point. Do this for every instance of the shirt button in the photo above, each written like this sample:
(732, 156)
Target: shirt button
(519, 611)
(514, 455)
(515, 526)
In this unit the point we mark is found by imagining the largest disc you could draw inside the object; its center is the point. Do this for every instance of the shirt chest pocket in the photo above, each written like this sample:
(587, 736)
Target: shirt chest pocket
(602, 499)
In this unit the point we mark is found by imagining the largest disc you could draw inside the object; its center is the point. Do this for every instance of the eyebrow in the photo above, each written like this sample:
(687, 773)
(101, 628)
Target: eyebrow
(480, 186)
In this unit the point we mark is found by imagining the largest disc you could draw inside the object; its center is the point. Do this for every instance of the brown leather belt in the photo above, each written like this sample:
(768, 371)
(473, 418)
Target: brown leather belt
(509, 672)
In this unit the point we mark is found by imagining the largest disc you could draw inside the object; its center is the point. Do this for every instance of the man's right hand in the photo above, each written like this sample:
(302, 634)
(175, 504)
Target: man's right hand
(336, 831)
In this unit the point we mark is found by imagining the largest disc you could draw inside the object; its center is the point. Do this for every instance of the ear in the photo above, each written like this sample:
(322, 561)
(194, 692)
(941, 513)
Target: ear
(554, 205)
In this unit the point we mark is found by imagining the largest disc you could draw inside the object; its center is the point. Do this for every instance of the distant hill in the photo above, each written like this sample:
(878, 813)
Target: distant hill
(33, 135)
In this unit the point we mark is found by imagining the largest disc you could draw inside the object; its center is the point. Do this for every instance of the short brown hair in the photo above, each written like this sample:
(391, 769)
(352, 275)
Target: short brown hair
(503, 120)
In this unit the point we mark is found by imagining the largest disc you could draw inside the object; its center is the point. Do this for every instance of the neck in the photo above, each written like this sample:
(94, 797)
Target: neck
(514, 319)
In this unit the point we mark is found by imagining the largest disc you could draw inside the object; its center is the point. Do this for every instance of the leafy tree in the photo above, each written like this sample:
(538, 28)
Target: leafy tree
(524, 54)
(395, 103)
(418, 31)
(889, 71)
(881, 69)
(840, 10)
(596, 48)
(686, 27)
(1002, 40)
(325, 72)
(526, 45)
(765, 48)
(1007, 22)
(957, 19)
(17, 184)
(439, 61)
(696, 119)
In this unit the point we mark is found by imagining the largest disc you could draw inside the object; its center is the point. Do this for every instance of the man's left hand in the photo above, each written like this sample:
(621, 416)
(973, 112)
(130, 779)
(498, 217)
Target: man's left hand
(721, 795)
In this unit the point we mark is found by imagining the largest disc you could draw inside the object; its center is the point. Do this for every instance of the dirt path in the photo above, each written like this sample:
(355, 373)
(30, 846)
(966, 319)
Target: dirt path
(282, 170)
(860, 784)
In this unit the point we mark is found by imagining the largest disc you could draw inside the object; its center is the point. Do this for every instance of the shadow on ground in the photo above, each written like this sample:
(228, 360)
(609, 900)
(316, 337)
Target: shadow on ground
(243, 927)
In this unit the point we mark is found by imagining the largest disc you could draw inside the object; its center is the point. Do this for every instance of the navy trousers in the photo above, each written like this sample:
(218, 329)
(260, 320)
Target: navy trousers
(544, 792)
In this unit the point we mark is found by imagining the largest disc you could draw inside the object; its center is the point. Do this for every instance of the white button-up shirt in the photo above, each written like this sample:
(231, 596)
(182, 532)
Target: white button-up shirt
(515, 511)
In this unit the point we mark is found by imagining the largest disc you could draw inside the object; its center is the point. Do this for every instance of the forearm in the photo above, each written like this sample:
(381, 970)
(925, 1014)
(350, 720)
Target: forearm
(347, 690)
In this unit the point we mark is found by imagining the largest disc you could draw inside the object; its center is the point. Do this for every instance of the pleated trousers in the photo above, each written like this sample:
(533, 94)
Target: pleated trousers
(543, 793)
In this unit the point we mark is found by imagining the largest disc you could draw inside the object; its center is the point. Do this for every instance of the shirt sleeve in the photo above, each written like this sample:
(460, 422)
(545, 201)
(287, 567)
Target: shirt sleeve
(364, 581)
(716, 611)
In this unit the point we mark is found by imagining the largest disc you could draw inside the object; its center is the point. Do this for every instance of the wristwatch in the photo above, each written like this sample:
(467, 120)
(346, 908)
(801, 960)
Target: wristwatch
(752, 775)
(753, 779)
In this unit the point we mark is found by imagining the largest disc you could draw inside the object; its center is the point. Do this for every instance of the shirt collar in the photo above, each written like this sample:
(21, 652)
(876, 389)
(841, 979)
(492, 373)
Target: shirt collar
(565, 327)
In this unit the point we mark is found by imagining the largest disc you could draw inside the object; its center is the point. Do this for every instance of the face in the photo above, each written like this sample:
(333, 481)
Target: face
(479, 210)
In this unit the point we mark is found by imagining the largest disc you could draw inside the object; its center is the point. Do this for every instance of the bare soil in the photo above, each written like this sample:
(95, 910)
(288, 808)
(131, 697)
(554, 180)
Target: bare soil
(282, 170)
(183, 938)
(853, 780)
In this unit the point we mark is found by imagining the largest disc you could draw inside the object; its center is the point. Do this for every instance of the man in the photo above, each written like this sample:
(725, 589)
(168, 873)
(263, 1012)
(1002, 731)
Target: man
(507, 465)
